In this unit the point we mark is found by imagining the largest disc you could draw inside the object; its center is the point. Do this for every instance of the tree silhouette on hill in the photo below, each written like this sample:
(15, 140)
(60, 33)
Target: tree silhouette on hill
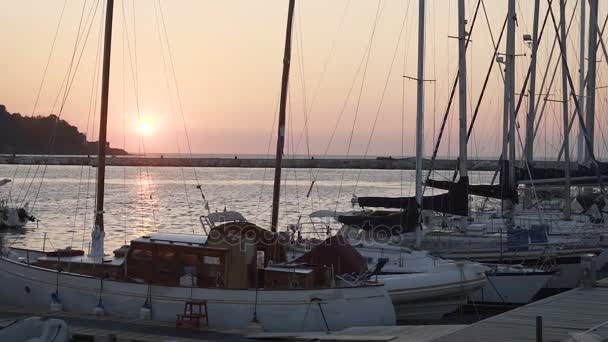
(43, 135)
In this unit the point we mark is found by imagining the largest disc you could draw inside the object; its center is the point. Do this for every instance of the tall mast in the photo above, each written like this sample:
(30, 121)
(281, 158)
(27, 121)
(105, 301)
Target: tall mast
(532, 90)
(565, 106)
(420, 114)
(462, 88)
(580, 144)
(591, 78)
(281, 131)
(508, 123)
(98, 234)
(510, 76)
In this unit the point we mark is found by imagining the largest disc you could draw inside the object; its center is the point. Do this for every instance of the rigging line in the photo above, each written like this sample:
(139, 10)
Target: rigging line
(522, 92)
(177, 89)
(291, 142)
(268, 146)
(171, 112)
(92, 14)
(135, 75)
(71, 63)
(59, 93)
(48, 61)
(92, 98)
(403, 67)
(539, 39)
(343, 108)
(300, 58)
(557, 64)
(327, 60)
(124, 128)
(367, 58)
(527, 164)
(300, 54)
(54, 129)
(548, 64)
(386, 82)
(578, 109)
(450, 100)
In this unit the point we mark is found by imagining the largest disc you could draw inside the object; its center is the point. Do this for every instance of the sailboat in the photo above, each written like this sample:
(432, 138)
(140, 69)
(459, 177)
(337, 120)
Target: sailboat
(534, 236)
(10, 216)
(234, 279)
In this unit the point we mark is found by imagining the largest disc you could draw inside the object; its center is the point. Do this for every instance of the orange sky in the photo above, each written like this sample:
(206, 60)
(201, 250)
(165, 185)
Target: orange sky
(227, 57)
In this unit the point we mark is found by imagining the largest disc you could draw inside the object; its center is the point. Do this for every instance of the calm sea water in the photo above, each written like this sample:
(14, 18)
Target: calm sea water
(140, 201)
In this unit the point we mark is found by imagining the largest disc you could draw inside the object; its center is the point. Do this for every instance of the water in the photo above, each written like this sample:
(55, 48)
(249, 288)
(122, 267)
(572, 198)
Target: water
(140, 201)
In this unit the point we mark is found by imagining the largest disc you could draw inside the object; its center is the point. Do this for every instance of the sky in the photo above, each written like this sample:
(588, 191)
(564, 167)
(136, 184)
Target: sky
(204, 76)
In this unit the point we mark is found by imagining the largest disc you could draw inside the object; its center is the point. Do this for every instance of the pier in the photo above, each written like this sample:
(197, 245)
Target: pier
(581, 310)
(380, 163)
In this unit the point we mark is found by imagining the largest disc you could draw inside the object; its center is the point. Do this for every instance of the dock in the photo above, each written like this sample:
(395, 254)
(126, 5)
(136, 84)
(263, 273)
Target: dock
(379, 163)
(581, 310)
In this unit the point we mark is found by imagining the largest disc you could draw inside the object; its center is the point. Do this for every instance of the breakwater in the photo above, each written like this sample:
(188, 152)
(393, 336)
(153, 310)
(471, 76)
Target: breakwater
(330, 163)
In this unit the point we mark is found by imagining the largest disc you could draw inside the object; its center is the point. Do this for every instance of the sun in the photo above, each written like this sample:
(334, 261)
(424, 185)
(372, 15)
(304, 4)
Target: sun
(146, 127)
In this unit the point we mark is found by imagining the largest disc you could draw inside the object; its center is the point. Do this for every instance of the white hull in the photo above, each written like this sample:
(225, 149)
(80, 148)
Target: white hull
(277, 310)
(36, 329)
(511, 288)
(422, 287)
(9, 218)
(430, 296)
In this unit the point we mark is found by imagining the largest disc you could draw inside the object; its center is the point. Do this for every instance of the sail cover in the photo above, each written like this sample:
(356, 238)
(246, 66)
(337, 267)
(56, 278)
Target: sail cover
(538, 173)
(454, 202)
(485, 190)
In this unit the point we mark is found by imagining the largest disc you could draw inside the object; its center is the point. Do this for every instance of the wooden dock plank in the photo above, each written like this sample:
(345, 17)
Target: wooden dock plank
(577, 310)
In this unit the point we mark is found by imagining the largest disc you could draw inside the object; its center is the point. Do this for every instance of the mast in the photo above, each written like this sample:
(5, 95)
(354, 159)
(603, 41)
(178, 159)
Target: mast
(98, 233)
(281, 128)
(565, 107)
(508, 129)
(510, 76)
(420, 114)
(580, 144)
(462, 88)
(532, 90)
(591, 77)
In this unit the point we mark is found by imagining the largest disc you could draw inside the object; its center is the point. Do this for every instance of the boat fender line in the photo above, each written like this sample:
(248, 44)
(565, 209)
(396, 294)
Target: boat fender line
(99, 310)
(495, 289)
(319, 301)
(56, 304)
(145, 312)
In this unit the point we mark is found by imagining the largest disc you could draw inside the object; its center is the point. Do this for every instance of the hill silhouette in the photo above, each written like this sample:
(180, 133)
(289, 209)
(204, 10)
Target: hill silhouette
(44, 135)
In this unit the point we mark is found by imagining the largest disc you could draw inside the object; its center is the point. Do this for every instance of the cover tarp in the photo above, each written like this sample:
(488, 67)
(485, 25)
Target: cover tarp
(454, 202)
(337, 253)
(393, 222)
(484, 190)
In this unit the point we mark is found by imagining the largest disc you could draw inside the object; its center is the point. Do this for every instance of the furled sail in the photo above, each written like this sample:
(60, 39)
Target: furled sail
(485, 190)
(454, 202)
(540, 173)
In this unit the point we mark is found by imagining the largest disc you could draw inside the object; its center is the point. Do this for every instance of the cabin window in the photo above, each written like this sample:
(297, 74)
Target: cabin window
(166, 261)
(209, 260)
(141, 255)
(190, 264)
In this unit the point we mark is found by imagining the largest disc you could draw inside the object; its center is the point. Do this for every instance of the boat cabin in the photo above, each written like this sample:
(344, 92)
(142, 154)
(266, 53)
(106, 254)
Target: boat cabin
(236, 255)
